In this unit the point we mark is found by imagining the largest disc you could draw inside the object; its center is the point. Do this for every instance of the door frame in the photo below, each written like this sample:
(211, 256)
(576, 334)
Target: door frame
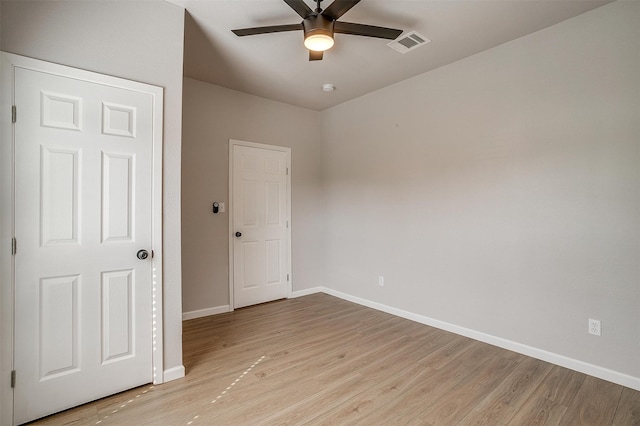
(287, 151)
(9, 62)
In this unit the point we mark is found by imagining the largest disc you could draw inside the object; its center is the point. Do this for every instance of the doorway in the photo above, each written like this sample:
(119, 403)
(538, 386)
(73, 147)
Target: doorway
(259, 224)
(84, 218)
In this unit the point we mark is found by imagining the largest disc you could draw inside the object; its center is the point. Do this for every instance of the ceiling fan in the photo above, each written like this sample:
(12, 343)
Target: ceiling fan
(319, 26)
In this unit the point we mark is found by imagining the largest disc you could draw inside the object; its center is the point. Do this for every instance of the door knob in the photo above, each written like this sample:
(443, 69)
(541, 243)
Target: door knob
(238, 234)
(142, 254)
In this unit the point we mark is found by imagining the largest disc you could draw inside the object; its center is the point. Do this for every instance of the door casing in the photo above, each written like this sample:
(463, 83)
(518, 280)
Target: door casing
(9, 62)
(232, 143)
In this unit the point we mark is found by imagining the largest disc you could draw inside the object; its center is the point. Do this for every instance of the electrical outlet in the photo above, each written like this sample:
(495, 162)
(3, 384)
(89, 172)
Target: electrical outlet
(594, 327)
(381, 281)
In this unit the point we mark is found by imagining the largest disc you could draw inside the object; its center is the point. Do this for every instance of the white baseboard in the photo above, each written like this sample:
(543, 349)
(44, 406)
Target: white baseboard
(563, 361)
(205, 312)
(226, 308)
(173, 373)
(306, 292)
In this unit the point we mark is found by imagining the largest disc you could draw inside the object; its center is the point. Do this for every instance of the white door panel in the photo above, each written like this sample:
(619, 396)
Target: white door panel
(83, 302)
(260, 202)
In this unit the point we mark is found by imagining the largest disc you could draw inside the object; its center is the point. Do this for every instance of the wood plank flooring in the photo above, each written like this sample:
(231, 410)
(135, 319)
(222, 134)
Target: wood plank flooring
(320, 360)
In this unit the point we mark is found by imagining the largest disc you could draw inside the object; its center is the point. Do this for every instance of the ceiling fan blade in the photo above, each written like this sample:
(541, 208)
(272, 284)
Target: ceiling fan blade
(315, 56)
(366, 30)
(300, 7)
(338, 8)
(265, 30)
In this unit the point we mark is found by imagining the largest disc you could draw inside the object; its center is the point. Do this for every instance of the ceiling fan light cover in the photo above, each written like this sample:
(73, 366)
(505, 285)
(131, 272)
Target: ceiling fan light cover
(318, 42)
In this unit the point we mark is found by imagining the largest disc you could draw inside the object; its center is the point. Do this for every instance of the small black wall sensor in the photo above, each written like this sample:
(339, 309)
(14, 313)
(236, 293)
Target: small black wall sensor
(216, 206)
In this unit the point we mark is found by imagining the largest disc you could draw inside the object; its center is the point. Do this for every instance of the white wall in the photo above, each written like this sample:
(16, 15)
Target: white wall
(212, 116)
(141, 41)
(501, 193)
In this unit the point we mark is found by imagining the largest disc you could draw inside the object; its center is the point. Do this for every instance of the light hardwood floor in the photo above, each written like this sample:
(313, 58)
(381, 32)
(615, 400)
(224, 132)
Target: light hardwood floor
(324, 361)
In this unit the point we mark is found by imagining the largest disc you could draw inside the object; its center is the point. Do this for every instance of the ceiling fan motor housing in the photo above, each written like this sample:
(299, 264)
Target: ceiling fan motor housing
(318, 24)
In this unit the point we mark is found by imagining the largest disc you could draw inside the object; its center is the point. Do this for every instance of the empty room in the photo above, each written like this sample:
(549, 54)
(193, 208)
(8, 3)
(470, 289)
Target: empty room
(225, 212)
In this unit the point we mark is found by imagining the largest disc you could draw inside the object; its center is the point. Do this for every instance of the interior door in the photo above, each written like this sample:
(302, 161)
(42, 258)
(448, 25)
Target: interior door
(83, 187)
(260, 225)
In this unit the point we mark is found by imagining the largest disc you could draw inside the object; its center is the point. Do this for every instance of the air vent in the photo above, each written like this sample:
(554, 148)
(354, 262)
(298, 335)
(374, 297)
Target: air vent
(409, 41)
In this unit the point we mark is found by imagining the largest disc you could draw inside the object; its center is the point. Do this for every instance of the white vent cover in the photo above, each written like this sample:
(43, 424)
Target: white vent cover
(408, 41)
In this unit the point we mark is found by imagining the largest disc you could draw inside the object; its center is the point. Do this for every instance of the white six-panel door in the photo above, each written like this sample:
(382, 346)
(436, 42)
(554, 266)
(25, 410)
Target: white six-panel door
(83, 209)
(259, 225)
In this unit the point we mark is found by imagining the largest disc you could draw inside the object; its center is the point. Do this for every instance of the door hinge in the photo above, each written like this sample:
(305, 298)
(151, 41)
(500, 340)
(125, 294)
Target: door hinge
(287, 277)
(287, 224)
(287, 171)
(152, 254)
(14, 246)
(13, 378)
(14, 113)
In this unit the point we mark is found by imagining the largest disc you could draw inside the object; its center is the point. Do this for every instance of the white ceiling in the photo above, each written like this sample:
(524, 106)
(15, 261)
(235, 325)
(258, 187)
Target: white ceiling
(276, 65)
